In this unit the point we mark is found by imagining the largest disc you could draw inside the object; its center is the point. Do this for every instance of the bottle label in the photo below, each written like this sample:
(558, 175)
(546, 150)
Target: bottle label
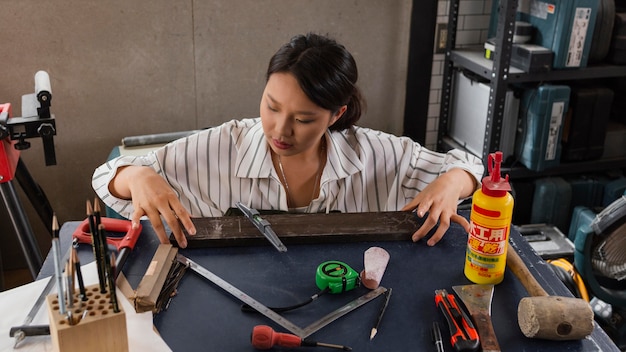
(487, 240)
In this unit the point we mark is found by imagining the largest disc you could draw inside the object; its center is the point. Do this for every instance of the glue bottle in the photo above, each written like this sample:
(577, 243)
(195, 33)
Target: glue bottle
(490, 224)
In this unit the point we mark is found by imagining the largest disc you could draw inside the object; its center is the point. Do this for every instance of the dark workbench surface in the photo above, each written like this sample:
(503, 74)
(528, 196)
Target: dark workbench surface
(203, 317)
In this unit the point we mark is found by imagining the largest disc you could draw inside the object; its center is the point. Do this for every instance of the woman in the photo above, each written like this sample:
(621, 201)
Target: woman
(304, 154)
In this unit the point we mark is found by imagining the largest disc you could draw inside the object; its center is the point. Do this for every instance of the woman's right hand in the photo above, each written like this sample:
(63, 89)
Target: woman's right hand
(153, 197)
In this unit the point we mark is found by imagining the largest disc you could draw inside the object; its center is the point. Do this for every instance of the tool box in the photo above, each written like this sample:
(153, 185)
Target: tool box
(613, 190)
(469, 115)
(584, 129)
(617, 49)
(547, 241)
(617, 52)
(531, 58)
(564, 26)
(615, 140)
(538, 140)
(581, 215)
(602, 32)
(587, 190)
(522, 191)
(551, 202)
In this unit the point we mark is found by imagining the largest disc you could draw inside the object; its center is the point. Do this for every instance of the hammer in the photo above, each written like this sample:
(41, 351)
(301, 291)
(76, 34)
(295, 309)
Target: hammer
(544, 316)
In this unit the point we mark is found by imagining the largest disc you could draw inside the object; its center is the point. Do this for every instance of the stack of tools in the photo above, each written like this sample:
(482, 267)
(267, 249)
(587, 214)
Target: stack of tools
(161, 279)
(106, 270)
(83, 234)
(81, 320)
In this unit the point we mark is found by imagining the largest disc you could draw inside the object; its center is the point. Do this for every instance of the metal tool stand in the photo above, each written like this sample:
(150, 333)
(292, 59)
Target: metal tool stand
(13, 134)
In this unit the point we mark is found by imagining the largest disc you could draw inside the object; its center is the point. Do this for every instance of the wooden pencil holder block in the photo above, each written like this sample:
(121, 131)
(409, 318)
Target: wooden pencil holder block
(99, 329)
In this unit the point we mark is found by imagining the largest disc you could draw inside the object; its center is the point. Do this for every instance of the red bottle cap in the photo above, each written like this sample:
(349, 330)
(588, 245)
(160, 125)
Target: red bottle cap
(494, 185)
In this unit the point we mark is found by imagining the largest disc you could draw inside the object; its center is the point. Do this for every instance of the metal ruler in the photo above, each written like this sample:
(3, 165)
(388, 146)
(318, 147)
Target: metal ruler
(277, 318)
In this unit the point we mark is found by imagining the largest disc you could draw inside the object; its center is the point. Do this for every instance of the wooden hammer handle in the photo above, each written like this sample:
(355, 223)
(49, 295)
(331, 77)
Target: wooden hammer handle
(519, 268)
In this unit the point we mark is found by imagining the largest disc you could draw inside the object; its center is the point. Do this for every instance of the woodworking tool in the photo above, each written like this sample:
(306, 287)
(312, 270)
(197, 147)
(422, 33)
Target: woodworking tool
(123, 244)
(463, 335)
(477, 300)
(336, 276)
(264, 338)
(269, 313)
(263, 225)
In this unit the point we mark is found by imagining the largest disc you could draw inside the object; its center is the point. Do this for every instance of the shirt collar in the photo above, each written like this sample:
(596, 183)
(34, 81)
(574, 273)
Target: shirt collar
(343, 160)
(254, 157)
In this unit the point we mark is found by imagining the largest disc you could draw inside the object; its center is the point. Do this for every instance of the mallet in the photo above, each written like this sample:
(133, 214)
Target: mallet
(548, 317)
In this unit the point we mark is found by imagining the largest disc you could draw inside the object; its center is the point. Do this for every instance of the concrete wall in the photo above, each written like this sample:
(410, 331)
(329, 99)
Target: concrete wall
(121, 68)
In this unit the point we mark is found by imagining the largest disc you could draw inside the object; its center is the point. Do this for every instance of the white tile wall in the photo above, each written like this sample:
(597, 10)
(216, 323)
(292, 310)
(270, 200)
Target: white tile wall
(472, 26)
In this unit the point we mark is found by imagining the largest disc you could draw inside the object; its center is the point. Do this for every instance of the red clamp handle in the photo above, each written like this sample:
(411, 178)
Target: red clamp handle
(82, 232)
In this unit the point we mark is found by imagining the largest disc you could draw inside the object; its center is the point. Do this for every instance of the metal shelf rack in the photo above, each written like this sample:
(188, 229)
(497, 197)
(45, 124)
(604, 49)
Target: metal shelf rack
(500, 74)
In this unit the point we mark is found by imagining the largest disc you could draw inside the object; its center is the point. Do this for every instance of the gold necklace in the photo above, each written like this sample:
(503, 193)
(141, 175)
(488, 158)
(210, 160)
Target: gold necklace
(317, 176)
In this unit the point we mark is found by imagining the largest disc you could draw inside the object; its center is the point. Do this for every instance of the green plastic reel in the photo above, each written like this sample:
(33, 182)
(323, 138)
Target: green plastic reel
(336, 276)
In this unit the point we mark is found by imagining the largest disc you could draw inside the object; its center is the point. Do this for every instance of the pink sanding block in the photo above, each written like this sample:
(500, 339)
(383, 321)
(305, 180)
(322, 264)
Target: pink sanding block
(375, 262)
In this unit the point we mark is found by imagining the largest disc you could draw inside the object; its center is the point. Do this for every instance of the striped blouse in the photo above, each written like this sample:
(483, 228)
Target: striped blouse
(366, 170)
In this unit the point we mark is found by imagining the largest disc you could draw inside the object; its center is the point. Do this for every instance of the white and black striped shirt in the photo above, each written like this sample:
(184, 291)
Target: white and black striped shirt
(366, 170)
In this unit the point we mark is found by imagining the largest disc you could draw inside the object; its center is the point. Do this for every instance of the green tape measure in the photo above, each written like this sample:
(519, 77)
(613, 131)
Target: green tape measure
(336, 276)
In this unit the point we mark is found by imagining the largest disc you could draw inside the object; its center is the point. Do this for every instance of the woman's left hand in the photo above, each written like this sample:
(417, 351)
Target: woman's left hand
(440, 199)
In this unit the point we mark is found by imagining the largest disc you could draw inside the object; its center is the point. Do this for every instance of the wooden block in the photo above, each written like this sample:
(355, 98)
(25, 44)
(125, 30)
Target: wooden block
(151, 285)
(305, 228)
(100, 329)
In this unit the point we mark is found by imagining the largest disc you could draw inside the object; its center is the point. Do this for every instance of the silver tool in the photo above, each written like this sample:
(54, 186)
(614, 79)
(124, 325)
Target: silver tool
(263, 225)
(277, 318)
(19, 332)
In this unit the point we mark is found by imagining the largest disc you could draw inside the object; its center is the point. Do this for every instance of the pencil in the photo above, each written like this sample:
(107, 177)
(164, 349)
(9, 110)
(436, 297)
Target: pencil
(111, 275)
(79, 275)
(56, 252)
(380, 315)
(95, 241)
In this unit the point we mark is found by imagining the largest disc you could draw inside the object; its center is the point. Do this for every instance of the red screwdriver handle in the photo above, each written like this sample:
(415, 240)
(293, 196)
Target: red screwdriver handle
(264, 338)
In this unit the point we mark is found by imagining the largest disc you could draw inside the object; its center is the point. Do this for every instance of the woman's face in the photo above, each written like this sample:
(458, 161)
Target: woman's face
(292, 123)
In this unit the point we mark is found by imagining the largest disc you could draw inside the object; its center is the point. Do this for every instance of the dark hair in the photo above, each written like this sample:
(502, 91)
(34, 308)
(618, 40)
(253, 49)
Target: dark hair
(326, 72)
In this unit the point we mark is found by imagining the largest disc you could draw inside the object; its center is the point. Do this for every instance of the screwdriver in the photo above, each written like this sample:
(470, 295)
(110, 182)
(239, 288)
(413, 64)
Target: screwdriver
(264, 338)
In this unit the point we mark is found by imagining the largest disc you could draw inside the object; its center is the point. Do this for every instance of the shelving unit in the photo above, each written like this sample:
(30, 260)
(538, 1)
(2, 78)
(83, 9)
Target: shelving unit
(500, 74)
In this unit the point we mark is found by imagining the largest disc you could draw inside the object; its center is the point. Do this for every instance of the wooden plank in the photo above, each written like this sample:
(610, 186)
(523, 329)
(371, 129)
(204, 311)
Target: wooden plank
(305, 229)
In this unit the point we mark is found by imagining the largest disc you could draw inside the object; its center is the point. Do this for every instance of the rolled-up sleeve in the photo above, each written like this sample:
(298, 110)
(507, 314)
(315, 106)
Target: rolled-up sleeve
(458, 159)
(426, 165)
(103, 175)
